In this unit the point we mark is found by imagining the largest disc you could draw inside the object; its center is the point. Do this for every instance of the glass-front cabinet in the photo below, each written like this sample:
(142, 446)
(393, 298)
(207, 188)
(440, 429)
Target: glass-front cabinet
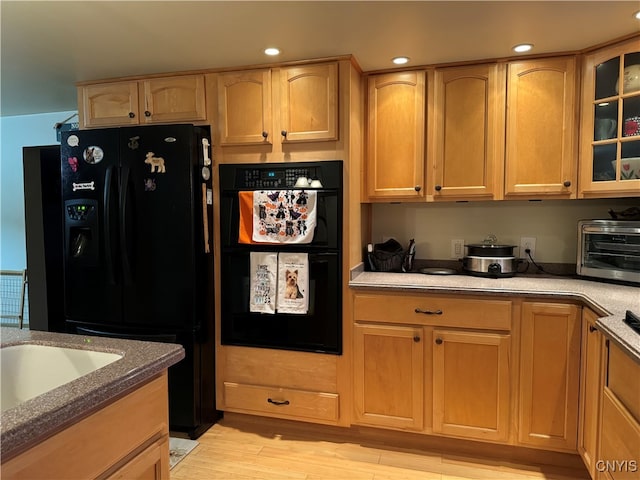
(610, 137)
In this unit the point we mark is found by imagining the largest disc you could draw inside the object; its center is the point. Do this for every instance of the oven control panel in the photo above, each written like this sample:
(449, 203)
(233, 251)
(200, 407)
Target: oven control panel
(274, 177)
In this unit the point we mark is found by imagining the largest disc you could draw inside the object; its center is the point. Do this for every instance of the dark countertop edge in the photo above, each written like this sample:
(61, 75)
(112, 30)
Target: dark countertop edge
(610, 324)
(37, 419)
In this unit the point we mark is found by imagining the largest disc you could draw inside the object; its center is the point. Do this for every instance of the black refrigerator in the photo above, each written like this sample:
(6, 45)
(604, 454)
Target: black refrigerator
(138, 261)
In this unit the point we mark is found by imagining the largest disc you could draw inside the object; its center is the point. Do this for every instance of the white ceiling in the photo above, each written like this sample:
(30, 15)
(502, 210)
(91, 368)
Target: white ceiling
(47, 46)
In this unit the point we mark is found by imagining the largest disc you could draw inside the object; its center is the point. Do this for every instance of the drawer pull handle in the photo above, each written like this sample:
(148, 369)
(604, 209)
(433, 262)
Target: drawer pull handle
(592, 328)
(429, 312)
(439, 341)
(278, 402)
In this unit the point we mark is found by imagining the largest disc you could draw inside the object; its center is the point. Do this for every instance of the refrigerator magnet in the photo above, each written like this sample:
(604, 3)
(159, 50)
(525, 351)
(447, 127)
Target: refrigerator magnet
(73, 163)
(149, 184)
(133, 143)
(93, 155)
(73, 141)
(157, 163)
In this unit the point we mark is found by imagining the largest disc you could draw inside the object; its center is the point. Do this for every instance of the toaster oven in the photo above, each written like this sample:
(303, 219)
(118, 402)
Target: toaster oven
(609, 249)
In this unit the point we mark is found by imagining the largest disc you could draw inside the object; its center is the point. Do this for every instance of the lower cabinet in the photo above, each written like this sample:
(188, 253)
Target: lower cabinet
(389, 375)
(620, 422)
(549, 376)
(590, 391)
(446, 370)
(127, 439)
(279, 383)
(471, 384)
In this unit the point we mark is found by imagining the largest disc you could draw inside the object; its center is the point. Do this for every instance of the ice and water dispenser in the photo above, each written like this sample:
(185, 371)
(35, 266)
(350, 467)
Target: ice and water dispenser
(81, 226)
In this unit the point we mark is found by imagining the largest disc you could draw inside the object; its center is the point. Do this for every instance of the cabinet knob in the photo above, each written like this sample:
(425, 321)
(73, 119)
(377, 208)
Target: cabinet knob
(567, 183)
(147, 113)
(416, 339)
(439, 341)
(278, 402)
(284, 133)
(132, 115)
(429, 312)
(417, 188)
(265, 134)
(592, 329)
(438, 188)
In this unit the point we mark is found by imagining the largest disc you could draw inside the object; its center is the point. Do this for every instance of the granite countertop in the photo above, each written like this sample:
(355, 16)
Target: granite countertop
(611, 301)
(32, 421)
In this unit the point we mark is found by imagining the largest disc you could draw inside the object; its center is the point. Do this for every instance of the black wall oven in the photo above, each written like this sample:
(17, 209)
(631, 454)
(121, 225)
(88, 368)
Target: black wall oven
(318, 326)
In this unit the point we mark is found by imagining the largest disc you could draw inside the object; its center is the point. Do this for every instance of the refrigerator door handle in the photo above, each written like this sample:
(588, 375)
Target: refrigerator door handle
(106, 219)
(124, 196)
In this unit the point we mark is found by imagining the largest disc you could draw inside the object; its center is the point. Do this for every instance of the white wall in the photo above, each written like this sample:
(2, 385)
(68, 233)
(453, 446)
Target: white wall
(15, 133)
(552, 222)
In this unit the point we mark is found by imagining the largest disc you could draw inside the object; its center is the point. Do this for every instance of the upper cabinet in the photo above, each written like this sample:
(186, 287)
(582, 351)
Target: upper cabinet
(286, 105)
(244, 107)
(610, 139)
(396, 120)
(155, 100)
(541, 133)
(467, 150)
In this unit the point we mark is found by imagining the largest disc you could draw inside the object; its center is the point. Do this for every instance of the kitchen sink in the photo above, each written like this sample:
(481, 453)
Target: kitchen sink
(29, 370)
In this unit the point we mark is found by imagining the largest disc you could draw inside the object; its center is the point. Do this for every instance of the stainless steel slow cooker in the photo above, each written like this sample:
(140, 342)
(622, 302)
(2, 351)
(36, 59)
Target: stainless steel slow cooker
(490, 260)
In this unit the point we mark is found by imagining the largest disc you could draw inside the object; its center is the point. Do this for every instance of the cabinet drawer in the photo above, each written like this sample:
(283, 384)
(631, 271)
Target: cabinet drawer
(295, 370)
(624, 380)
(620, 440)
(437, 311)
(281, 401)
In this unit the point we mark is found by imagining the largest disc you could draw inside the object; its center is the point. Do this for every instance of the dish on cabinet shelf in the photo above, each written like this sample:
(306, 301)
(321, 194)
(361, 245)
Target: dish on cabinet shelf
(629, 168)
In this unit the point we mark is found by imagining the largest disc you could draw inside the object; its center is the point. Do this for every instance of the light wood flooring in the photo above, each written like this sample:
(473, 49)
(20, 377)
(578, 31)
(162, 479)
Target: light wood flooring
(245, 447)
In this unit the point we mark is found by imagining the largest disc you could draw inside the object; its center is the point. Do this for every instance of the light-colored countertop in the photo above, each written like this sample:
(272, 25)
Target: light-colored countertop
(38, 418)
(610, 300)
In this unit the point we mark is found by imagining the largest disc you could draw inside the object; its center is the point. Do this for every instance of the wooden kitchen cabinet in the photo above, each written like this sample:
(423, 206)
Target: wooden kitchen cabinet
(127, 439)
(590, 391)
(389, 375)
(610, 123)
(301, 105)
(467, 151)
(471, 384)
(279, 383)
(415, 367)
(140, 102)
(541, 134)
(620, 426)
(549, 376)
(396, 122)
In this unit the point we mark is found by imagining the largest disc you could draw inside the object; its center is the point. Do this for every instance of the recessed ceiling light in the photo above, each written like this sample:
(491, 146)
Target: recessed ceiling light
(637, 15)
(271, 51)
(400, 60)
(523, 47)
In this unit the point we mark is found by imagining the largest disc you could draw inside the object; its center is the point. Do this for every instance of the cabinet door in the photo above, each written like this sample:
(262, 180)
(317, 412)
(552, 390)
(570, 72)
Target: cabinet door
(309, 96)
(151, 464)
(108, 104)
(396, 128)
(389, 376)
(244, 107)
(468, 146)
(590, 390)
(610, 122)
(549, 376)
(541, 155)
(620, 425)
(173, 99)
(471, 384)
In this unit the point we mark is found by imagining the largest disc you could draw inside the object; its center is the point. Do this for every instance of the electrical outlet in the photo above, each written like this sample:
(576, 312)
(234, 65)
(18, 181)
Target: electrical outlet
(457, 248)
(527, 243)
